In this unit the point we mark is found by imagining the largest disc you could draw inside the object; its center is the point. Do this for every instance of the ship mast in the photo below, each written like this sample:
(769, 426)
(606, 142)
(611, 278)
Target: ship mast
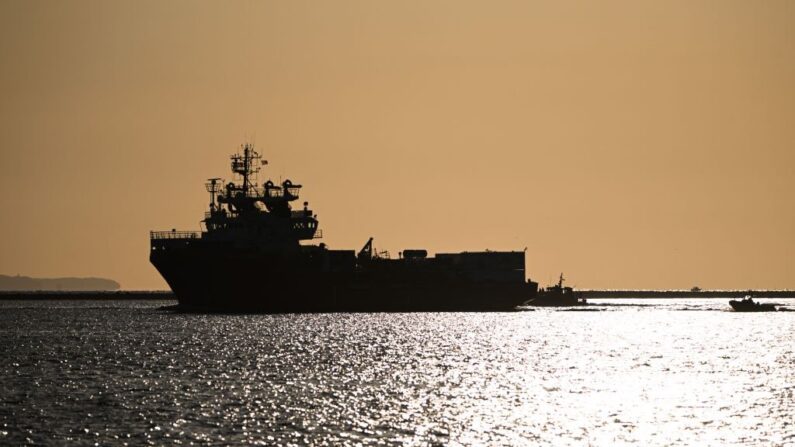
(246, 163)
(245, 166)
(213, 186)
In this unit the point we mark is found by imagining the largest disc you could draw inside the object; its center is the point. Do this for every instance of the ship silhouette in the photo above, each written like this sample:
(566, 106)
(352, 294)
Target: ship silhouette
(256, 254)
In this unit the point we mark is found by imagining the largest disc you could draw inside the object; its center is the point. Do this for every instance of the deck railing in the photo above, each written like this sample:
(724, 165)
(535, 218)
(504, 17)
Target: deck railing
(174, 235)
(161, 235)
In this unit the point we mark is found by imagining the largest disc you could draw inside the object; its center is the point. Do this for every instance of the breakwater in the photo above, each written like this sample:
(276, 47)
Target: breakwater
(686, 293)
(89, 295)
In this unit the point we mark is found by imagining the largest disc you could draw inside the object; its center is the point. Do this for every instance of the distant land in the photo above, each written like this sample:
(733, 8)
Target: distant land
(28, 284)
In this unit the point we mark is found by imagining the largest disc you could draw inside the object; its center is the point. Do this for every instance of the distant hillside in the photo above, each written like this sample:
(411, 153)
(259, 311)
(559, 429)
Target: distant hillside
(25, 284)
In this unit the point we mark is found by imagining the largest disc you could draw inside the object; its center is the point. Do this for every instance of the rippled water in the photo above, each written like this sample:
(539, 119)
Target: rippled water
(650, 372)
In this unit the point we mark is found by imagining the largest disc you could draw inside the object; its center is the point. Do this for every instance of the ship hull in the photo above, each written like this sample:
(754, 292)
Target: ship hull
(275, 284)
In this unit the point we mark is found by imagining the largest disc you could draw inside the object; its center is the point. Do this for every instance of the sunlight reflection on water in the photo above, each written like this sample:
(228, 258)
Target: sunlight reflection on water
(116, 372)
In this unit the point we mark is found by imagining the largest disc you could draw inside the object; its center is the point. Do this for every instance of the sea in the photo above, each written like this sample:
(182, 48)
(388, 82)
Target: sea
(618, 372)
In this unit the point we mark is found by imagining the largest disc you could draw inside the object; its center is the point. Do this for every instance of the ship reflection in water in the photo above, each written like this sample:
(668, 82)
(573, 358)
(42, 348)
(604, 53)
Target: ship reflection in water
(112, 372)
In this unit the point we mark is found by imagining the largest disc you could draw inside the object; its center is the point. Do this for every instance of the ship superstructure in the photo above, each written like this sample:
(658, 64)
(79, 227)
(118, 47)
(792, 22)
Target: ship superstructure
(247, 213)
(250, 257)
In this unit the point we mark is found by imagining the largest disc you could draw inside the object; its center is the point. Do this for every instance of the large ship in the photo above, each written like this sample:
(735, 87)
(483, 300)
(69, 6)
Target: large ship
(256, 253)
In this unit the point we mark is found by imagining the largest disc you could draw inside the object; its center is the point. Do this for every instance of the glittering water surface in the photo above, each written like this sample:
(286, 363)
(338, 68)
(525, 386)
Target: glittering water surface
(650, 372)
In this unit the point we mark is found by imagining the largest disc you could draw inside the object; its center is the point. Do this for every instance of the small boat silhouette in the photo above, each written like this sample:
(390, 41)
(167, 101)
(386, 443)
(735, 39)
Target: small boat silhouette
(748, 304)
(558, 296)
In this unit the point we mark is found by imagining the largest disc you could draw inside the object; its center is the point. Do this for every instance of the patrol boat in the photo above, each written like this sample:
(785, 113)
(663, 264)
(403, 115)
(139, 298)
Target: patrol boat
(558, 295)
(256, 253)
(748, 304)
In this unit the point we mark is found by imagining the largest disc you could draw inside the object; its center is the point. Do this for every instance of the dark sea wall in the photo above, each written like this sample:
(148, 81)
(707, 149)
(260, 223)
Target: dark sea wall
(686, 293)
(93, 295)
(27, 284)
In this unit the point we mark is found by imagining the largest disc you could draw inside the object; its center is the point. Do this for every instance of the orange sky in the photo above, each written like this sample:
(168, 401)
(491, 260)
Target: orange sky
(646, 144)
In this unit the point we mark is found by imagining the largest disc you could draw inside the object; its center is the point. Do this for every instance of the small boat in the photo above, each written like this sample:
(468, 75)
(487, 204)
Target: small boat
(748, 304)
(558, 296)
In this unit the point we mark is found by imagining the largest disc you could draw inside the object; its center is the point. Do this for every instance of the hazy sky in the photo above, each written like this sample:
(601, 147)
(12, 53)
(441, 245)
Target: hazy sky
(645, 144)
